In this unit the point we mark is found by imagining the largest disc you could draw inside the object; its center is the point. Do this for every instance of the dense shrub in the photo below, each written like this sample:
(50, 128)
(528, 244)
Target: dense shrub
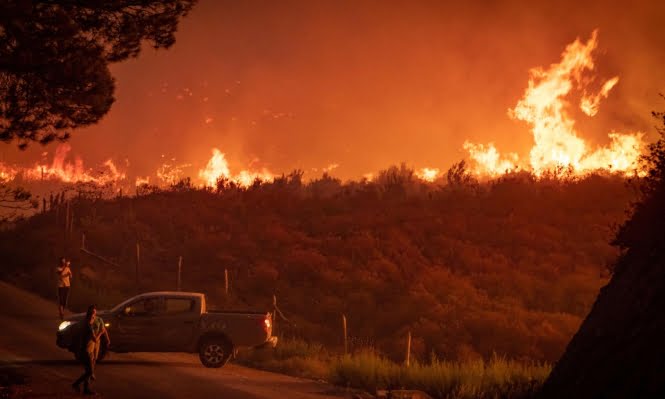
(509, 266)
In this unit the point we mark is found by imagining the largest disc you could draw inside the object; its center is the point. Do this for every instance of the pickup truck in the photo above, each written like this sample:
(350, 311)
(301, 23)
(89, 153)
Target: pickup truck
(174, 322)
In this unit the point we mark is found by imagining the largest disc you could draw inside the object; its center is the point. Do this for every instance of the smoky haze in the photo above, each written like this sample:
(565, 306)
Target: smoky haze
(362, 84)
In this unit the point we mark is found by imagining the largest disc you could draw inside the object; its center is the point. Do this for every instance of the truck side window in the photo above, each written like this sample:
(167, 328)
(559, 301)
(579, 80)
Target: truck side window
(145, 307)
(179, 305)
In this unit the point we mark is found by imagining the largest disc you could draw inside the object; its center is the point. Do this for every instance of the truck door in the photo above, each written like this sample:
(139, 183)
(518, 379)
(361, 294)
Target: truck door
(179, 323)
(137, 327)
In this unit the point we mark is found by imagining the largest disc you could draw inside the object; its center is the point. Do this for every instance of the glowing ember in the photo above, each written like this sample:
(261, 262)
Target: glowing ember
(428, 174)
(331, 167)
(218, 168)
(557, 143)
(171, 174)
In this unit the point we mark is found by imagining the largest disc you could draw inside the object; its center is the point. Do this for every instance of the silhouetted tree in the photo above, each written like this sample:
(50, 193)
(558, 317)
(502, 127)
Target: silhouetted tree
(183, 185)
(642, 234)
(14, 200)
(55, 55)
(325, 187)
(396, 181)
(458, 175)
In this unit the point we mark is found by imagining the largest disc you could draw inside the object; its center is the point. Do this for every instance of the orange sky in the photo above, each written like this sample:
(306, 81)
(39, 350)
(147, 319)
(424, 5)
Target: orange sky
(363, 84)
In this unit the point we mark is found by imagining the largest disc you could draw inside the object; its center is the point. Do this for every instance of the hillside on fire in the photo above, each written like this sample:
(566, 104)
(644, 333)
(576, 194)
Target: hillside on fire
(509, 267)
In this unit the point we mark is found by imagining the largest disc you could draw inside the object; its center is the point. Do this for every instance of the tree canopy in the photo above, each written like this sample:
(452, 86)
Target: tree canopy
(55, 56)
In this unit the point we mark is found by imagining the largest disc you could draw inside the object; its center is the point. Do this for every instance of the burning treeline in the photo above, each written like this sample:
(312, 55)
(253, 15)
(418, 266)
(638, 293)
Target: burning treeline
(545, 106)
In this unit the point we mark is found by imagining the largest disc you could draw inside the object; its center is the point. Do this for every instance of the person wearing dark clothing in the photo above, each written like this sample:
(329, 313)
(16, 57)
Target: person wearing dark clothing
(89, 336)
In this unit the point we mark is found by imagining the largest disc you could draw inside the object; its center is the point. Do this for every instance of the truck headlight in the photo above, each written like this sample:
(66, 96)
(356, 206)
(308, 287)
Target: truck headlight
(64, 325)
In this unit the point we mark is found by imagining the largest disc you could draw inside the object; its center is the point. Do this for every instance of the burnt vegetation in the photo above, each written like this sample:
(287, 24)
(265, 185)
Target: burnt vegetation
(508, 267)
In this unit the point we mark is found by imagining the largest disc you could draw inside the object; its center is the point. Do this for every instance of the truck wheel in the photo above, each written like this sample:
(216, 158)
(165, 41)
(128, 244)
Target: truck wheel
(215, 352)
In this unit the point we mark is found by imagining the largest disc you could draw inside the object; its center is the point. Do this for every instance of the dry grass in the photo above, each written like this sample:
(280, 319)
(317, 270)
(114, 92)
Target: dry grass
(477, 379)
(293, 357)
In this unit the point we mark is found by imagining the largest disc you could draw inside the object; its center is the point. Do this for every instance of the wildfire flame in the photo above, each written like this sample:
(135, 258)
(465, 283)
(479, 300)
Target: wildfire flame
(428, 174)
(218, 168)
(141, 181)
(589, 104)
(489, 157)
(543, 106)
(63, 170)
(557, 143)
(7, 173)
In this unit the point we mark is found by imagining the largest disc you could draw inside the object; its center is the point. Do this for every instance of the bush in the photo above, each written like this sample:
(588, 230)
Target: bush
(291, 356)
(477, 379)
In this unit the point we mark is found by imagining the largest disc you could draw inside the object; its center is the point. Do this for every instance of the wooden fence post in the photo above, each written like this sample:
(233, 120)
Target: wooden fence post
(179, 273)
(408, 350)
(226, 282)
(67, 219)
(274, 313)
(346, 345)
(138, 262)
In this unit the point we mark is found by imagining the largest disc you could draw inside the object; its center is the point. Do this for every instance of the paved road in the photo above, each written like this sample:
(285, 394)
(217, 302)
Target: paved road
(27, 341)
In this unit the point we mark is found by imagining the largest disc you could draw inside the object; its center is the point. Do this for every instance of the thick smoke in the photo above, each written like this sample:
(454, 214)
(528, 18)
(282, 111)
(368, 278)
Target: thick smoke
(286, 85)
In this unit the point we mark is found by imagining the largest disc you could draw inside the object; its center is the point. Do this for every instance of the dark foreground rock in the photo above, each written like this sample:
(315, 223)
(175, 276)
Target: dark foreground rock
(619, 351)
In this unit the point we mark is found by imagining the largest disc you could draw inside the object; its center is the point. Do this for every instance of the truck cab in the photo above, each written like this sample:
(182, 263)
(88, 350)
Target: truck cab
(169, 321)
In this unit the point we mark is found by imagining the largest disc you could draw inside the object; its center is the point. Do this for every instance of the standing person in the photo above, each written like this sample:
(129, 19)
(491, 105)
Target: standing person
(88, 350)
(64, 275)
(99, 332)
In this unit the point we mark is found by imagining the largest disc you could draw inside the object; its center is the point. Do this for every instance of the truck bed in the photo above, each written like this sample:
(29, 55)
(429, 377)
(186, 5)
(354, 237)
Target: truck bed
(244, 329)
